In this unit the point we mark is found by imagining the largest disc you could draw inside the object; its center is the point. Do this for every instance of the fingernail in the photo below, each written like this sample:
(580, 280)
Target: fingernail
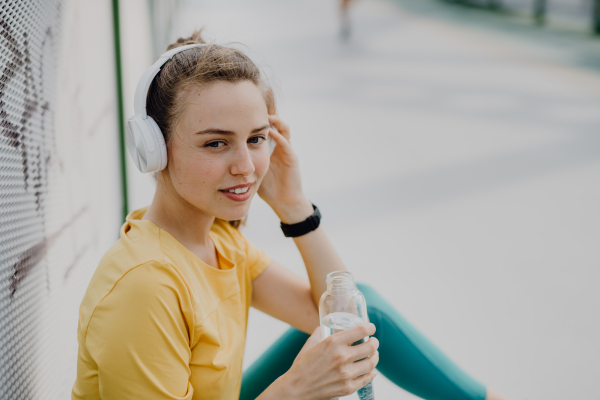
(376, 373)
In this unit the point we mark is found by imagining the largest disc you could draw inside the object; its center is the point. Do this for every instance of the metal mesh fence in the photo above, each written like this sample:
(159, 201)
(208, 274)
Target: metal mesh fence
(59, 191)
(27, 142)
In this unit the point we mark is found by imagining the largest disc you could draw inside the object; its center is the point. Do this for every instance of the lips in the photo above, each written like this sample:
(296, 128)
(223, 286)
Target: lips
(240, 192)
(242, 185)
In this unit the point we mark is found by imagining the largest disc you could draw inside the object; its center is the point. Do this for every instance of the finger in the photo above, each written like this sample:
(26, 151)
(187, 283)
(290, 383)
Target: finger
(281, 126)
(364, 350)
(313, 340)
(315, 336)
(365, 366)
(361, 381)
(356, 333)
(280, 140)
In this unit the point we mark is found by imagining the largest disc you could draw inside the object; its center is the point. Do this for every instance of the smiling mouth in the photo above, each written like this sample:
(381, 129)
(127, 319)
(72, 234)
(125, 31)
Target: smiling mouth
(238, 190)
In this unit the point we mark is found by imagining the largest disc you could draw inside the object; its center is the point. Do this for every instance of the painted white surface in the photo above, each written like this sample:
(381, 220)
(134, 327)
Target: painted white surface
(84, 197)
(137, 54)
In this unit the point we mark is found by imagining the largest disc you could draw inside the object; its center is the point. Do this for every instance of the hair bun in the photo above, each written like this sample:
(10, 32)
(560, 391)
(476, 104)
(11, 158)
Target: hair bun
(196, 38)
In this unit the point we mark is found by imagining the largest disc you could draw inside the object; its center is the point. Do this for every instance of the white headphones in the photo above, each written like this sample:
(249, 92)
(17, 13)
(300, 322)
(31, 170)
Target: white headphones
(145, 141)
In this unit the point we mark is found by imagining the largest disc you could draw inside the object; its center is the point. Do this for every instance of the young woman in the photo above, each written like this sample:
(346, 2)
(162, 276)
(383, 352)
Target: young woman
(165, 314)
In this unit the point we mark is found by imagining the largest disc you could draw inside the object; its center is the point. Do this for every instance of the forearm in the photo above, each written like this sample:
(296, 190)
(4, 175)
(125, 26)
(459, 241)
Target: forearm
(277, 390)
(320, 258)
(318, 254)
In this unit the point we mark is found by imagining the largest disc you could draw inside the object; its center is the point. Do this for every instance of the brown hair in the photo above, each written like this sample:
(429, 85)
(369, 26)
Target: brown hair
(198, 66)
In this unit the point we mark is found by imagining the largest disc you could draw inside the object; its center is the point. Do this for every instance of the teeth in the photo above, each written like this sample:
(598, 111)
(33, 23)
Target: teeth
(238, 190)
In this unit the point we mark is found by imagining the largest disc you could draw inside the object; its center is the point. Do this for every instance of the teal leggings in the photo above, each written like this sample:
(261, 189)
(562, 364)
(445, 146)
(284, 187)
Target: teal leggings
(406, 358)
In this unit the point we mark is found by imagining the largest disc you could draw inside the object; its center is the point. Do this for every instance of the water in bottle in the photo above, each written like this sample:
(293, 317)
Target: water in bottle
(341, 307)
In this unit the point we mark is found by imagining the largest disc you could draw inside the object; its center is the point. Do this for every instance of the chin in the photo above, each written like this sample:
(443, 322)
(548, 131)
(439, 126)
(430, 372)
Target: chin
(233, 214)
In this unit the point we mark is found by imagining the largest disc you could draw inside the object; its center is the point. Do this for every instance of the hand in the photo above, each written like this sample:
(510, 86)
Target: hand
(329, 369)
(281, 187)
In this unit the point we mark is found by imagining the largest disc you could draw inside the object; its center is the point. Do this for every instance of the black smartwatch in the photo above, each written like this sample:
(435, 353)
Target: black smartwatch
(302, 228)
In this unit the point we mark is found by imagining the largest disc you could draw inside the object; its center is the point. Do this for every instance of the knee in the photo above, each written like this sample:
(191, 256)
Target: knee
(293, 335)
(363, 286)
(367, 291)
(377, 305)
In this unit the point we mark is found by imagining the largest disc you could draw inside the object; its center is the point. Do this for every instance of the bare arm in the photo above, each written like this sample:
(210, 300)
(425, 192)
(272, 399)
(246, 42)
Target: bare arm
(320, 258)
(323, 369)
(289, 297)
(282, 190)
(286, 296)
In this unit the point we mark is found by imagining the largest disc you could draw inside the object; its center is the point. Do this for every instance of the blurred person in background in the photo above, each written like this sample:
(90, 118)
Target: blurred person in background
(345, 19)
(165, 314)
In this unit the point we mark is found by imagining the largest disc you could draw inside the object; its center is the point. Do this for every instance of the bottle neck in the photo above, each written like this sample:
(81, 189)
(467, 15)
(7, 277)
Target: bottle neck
(340, 283)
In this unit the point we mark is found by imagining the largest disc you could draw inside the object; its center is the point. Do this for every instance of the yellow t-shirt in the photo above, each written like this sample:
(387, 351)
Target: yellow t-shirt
(158, 323)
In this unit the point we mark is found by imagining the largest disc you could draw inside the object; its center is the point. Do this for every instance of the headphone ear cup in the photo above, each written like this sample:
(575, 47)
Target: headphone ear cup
(135, 144)
(161, 146)
(146, 144)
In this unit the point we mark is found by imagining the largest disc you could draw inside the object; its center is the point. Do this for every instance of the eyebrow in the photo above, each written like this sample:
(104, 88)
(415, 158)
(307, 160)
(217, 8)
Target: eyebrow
(224, 132)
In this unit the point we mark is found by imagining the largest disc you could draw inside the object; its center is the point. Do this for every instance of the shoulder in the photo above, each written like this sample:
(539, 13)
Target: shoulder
(228, 236)
(225, 229)
(235, 247)
(142, 286)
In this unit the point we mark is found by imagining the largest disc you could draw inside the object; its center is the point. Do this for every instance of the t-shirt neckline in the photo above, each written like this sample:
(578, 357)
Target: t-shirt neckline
(223, 261)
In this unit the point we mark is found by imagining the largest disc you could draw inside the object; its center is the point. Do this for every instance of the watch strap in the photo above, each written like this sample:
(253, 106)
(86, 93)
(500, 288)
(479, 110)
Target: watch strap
(302, 228)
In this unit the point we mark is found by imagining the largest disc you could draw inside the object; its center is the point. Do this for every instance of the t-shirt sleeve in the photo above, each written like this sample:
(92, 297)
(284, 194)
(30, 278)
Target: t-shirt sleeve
(139, 336)
(258, 260)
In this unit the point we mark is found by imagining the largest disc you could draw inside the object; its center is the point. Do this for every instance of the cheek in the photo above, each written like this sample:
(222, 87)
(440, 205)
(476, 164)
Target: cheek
(261, 163)
(194, 172)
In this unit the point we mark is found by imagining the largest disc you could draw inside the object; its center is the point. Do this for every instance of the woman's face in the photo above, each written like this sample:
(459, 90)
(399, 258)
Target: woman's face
(219, 147)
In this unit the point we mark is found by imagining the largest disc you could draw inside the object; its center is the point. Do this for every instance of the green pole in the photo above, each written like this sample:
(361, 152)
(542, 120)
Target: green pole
(539, 11)
(120, 111)
(596, 12)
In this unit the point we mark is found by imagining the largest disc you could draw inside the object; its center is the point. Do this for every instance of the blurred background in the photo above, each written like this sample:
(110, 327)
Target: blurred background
(453, 148)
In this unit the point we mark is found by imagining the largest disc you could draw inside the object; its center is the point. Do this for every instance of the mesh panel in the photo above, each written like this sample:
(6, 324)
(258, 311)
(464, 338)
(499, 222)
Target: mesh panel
(28, 31)
(59, 183)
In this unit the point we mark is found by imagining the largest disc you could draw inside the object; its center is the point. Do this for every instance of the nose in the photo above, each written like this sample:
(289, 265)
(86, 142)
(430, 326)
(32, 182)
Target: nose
(242, 163)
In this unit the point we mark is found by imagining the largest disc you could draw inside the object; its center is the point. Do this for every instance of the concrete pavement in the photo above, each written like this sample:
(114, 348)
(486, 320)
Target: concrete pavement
(457, 167)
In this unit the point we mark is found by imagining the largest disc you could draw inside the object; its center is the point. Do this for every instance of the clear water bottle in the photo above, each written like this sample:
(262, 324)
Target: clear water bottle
(341, 307)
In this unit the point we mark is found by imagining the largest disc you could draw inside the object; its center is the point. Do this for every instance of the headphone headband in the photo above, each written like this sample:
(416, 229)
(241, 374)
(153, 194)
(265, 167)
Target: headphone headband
(141, 91)
(145, 141)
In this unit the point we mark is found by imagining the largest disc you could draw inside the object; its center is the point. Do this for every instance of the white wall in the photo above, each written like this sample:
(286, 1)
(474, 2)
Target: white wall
(137, 54)
(87, 182)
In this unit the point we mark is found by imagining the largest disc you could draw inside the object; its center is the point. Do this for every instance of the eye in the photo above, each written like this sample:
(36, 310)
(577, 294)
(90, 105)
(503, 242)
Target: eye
(217, 144)
(257, 139)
